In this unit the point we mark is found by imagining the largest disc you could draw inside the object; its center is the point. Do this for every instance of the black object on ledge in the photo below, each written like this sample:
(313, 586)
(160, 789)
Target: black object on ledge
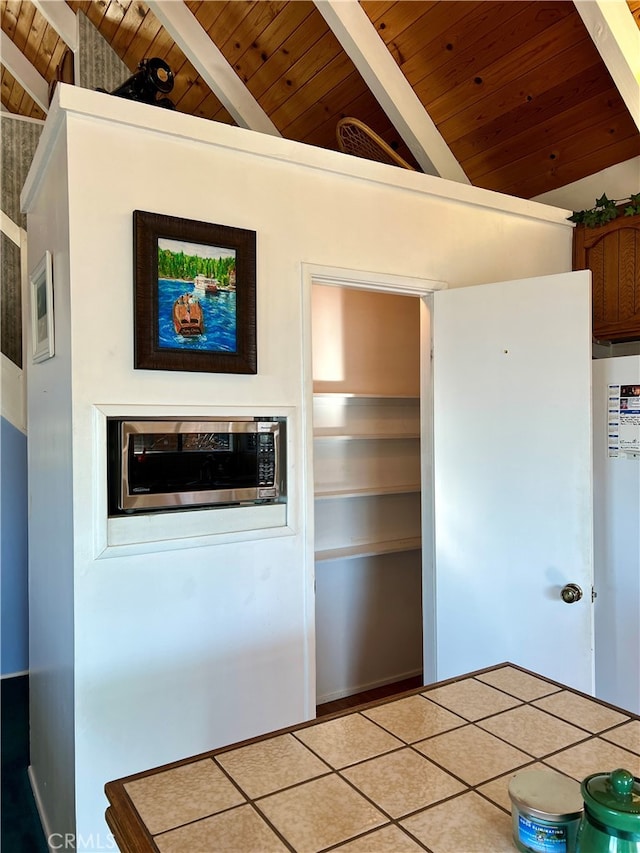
(153, 78)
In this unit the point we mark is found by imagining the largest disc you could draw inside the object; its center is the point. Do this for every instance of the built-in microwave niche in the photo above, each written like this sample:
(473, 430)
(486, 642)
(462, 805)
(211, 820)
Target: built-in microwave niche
(168, 465)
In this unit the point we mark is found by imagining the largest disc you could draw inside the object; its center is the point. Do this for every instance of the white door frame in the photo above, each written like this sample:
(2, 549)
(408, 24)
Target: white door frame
(400, 286)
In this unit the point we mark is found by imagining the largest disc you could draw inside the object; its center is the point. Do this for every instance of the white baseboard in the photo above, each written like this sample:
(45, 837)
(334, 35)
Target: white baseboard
(40, 807)
(360, 688)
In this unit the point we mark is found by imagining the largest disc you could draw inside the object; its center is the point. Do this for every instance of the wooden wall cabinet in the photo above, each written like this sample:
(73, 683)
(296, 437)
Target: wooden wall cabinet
(612, 253)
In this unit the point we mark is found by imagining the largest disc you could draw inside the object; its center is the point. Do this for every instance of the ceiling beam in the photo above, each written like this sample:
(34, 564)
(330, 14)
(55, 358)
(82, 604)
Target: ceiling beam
(25, 73)
(369, 54)
(63, 20)
(615, 33)
(210, 63)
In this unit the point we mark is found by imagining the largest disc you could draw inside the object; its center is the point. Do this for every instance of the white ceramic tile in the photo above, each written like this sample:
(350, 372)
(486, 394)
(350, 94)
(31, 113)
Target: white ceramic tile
(414, 718)
(533, 730)
(320, 813)
(173, 797)
(626, 736)
(594, 756)
(402, 782)
(270, 765)
(517, 683)
(240, 830)
(472, 754)
(581, 711)
(465, 824)
(348, 739)
(472, 699)
(389, 839)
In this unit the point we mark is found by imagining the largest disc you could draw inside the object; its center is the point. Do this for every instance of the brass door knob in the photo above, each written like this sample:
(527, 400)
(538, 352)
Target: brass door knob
(571, 593)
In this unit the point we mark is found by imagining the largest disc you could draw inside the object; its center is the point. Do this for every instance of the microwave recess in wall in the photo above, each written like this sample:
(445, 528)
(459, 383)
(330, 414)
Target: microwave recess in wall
(166, 465)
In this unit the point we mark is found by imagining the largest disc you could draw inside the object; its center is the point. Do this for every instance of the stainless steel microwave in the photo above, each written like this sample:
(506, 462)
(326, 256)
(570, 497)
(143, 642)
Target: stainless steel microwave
(162, 465)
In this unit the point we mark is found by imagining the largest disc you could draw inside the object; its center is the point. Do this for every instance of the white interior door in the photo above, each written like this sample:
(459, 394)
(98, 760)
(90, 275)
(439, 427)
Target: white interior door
(512, 499)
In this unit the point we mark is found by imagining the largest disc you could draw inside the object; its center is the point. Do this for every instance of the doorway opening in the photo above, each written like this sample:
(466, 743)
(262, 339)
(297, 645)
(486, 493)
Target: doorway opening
(367, 388)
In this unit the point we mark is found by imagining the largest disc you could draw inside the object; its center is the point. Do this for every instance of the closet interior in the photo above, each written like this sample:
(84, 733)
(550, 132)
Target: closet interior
(366, 426)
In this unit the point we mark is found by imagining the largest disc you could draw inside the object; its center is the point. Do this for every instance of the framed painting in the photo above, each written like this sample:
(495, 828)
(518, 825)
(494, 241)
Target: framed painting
(195, 295)
(42, 323)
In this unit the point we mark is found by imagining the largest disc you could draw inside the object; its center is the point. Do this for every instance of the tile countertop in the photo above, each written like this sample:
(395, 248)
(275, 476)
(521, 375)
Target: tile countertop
(426, 770)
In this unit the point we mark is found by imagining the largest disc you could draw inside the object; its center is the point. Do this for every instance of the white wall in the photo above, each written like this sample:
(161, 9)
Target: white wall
(187, 648)
(51, 543)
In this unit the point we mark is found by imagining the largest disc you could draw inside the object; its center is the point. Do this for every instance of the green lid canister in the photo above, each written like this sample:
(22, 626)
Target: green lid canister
(546, 808)
(611, 819)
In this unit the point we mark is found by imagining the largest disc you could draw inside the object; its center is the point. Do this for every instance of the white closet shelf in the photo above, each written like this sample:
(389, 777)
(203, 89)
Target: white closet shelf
(329, 432)
(337, 395)
(328, 494)
(369, 549)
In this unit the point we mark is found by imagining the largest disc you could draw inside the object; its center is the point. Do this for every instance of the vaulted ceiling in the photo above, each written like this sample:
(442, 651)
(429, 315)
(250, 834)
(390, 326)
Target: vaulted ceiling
(519, 96)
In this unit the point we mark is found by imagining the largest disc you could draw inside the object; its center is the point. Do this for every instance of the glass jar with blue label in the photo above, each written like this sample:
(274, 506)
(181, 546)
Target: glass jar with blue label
(546, 808)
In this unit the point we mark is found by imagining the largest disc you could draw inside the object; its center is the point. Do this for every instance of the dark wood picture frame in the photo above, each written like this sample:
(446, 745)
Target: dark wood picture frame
(189, 350)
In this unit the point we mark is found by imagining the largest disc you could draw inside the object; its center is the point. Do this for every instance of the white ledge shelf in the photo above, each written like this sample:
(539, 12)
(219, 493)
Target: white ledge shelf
(369, 549)
(370, 491)
(328, 432)
(337, 395)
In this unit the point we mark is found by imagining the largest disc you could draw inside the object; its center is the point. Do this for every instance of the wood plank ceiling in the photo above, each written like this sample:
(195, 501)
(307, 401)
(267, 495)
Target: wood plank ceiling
(517, 89)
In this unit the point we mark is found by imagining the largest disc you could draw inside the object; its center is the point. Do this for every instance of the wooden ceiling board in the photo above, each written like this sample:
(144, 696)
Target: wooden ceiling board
(43, 48)
(391, 20)
(24, 25)
(50, 53)
(106, 16)
(259, 16)
(232, 26)
(426, 40)
(560, 128)
(265, 47)
(604, 133)
(10, 14)
(490, 154)
(494, 68)
(212, 109)
(542, 93)
(449, 55)
(516, 87)
(350, 97)
(207, 12)
(560, 174)
(128, 27)
(15, 99)
(321, 105)
(140, 45)
(286, 86)
(309, 86)
(275, 62)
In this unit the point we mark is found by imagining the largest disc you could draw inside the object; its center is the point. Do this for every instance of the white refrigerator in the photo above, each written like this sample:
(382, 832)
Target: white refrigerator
(616, 447)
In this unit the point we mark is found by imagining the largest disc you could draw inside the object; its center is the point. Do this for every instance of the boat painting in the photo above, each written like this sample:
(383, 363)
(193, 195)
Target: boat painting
(196, 297)
(187, 316)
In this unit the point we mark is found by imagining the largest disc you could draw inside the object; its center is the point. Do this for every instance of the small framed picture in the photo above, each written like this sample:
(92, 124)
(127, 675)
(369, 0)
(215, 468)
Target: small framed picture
(194, 295)
(42, 324)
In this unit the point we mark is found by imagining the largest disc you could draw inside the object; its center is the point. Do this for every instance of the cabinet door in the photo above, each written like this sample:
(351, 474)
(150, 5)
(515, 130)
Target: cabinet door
(612, 253)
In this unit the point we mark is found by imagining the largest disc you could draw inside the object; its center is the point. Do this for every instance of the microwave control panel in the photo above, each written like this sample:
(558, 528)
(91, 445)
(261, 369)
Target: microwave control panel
(266, 462)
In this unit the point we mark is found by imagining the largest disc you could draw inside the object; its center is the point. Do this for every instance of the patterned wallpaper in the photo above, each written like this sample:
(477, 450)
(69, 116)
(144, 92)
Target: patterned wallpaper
(97, 65)
(11, 326)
